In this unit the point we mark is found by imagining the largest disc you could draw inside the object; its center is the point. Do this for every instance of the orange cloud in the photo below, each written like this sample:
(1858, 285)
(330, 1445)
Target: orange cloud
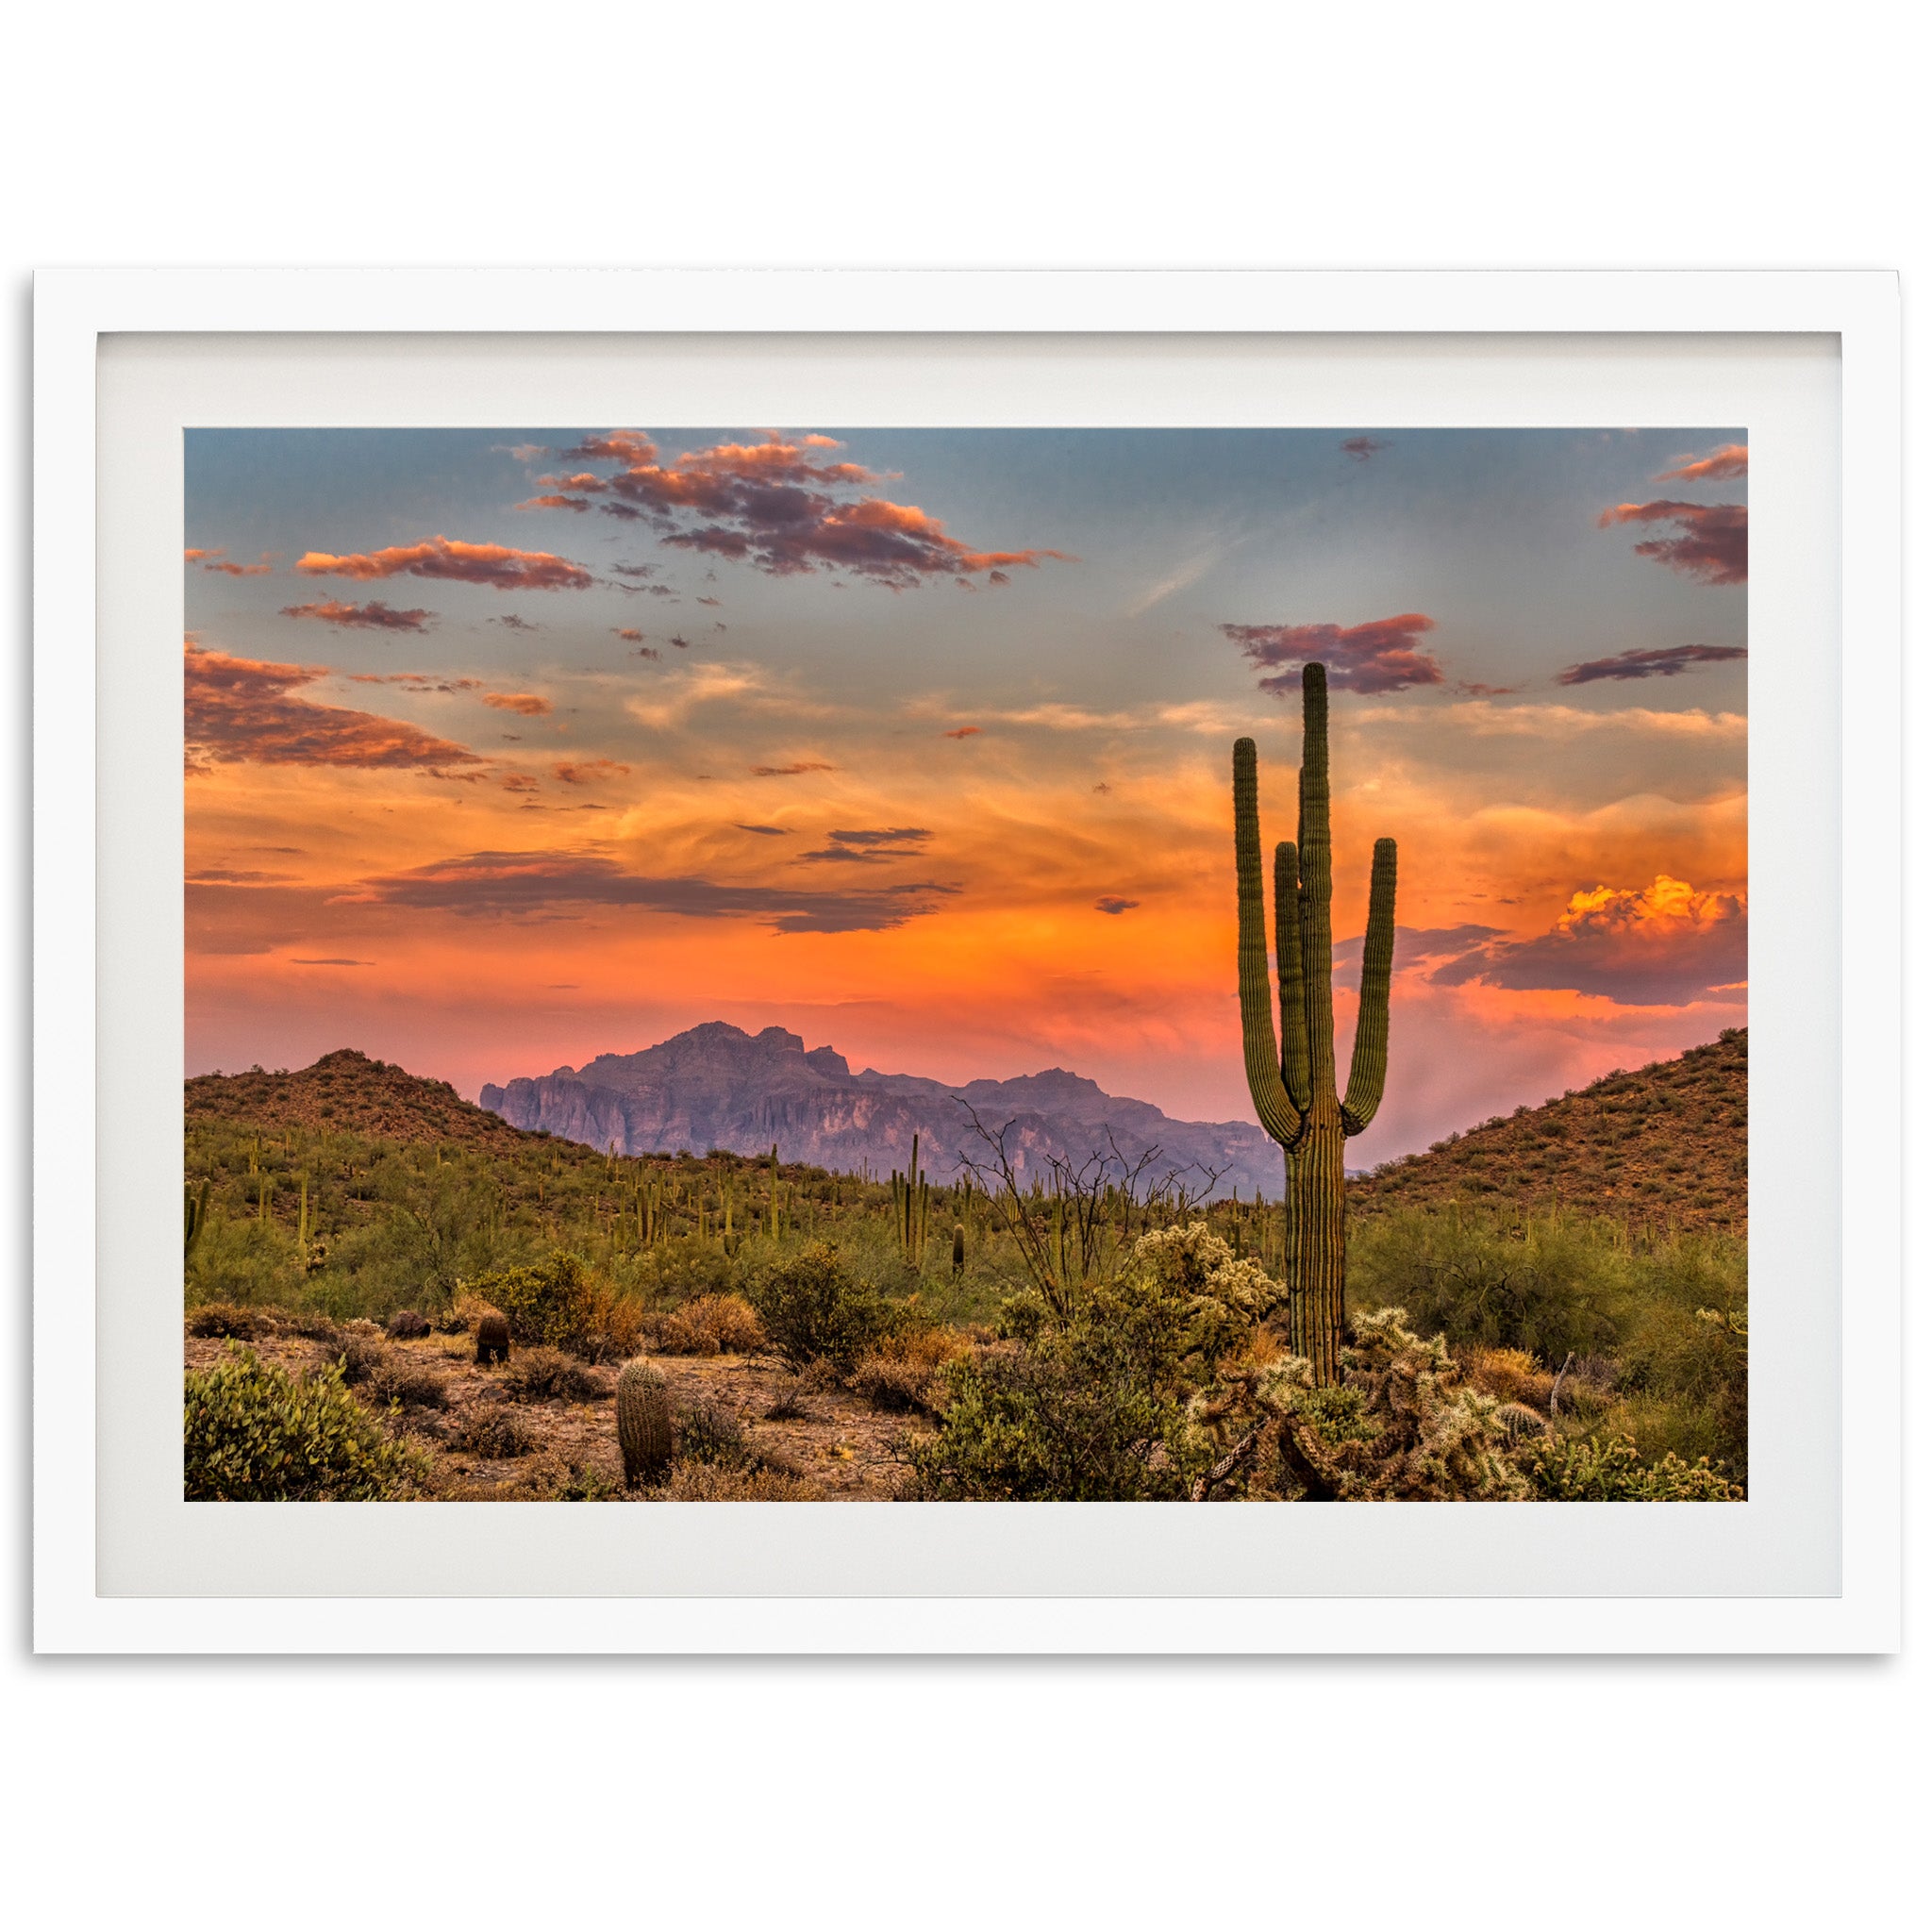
(1711, 542)
(794, 770)
(582, 771)
(242, 709)
(214, 560)
(1721, 466)
(1663, 945)
(373, 616)
(526, 702)
(418, 680)
(576, 503)
(495, 564)
(964, 731)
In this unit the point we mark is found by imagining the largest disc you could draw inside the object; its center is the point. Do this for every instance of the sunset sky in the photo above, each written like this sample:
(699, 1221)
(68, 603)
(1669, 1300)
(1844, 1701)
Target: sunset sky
(507, 747)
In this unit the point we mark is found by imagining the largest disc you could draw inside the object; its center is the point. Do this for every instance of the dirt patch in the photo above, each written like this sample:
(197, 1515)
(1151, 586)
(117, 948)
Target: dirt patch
(830, 1438)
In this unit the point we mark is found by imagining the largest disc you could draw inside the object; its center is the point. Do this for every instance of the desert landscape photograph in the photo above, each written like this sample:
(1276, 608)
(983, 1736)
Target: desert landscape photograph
(828, 963)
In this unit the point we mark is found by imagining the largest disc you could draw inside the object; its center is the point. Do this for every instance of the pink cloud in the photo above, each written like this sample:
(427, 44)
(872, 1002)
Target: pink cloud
(1712, 543)
(1383, 655)
(774, 506)
(1668, 662)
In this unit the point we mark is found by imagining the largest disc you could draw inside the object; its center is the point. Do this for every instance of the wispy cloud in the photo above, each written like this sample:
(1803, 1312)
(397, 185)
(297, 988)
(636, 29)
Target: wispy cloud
(372, 616)
(1669, 662)
(244, 709)
(1178, 578)
(494, 565)
(1721, 466)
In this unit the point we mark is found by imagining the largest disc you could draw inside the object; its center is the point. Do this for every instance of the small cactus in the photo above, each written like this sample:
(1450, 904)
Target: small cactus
(493, 1340)
(647, 1435)
(958, 1248)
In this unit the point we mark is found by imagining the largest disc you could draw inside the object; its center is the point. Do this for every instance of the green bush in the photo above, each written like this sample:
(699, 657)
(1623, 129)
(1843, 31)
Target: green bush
(815, 1309)
(255, 1433)
(550, 1303)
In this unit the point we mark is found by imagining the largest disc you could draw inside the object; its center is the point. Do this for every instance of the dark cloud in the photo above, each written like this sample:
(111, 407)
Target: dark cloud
(869, 847)
(1362, 447)
(1721, 466)
(1383, 655)
(495, 564)
(1668, 662)
(418, 680)
(803, 766)
(535, 884)
(510, 621)
(239, 709)
(1114, 907)
(766, 831)
(375, 616)
(782, 506)
(331, 962)
(1666, 945)
(1711, 542)
(895, 835)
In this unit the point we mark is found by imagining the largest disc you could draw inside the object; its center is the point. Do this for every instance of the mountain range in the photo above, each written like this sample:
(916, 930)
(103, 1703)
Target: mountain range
(717, 1086)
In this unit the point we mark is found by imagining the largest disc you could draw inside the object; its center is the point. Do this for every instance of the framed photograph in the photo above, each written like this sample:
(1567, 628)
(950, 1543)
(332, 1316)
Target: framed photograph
(812, 954)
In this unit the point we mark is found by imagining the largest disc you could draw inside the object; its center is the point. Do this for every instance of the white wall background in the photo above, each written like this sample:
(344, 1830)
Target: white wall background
(1484, 135)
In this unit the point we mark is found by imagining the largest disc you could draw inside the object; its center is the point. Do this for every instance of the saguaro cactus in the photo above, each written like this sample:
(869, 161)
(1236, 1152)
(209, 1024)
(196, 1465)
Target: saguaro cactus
(1293, 1086)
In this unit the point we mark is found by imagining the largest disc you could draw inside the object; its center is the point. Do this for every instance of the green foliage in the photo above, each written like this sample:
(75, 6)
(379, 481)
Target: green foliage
(1614, 1471)
(815, 1309)
(549, 1304)
(1096, 1404)
(1563, 1285)
(255, 1433)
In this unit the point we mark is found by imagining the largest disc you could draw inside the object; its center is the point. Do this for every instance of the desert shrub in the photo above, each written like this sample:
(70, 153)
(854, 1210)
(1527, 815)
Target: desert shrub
(357, 1348)
(1118, 1398)
(548, 1303)
(711, 1325)
(412, 1383)
(543, 1374)
(1614, 1471)
(587, 1483)
(1484, 1281)
(711, 1482)
(814, 1308)
(1511, 1375)
(227, 1318)
(495, 1430)
(707, 1432)
(891, 1382)
(255, 1433)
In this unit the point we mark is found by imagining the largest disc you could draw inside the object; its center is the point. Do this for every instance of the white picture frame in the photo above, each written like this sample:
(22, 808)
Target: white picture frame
(82, 889)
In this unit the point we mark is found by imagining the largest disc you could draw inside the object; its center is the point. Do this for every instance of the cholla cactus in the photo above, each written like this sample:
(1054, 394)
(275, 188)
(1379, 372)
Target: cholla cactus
(1227, 1296)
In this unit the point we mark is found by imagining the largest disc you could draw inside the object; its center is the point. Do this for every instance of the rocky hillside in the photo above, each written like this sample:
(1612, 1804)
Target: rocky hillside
(344, 1093)
(717, 1086)
(1664, 1145)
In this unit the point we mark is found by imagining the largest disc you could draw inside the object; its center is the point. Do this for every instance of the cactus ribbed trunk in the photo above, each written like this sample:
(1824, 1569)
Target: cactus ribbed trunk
(1293, 1085)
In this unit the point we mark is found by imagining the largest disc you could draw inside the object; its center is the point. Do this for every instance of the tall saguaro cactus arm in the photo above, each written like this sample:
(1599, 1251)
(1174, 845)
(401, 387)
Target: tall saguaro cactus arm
(1280, 1118)
(1288, 968)
(1370, 1063)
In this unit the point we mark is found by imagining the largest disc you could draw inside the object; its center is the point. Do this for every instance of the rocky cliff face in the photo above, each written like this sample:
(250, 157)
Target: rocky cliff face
(719, 1087)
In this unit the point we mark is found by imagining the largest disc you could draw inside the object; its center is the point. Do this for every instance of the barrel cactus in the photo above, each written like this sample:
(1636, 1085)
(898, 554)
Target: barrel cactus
(1293, 1085)
(647, 1433)
(493, 1340)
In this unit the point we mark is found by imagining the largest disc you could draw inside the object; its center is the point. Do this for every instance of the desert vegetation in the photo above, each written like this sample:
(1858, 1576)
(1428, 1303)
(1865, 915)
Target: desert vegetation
(1098, 1332)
